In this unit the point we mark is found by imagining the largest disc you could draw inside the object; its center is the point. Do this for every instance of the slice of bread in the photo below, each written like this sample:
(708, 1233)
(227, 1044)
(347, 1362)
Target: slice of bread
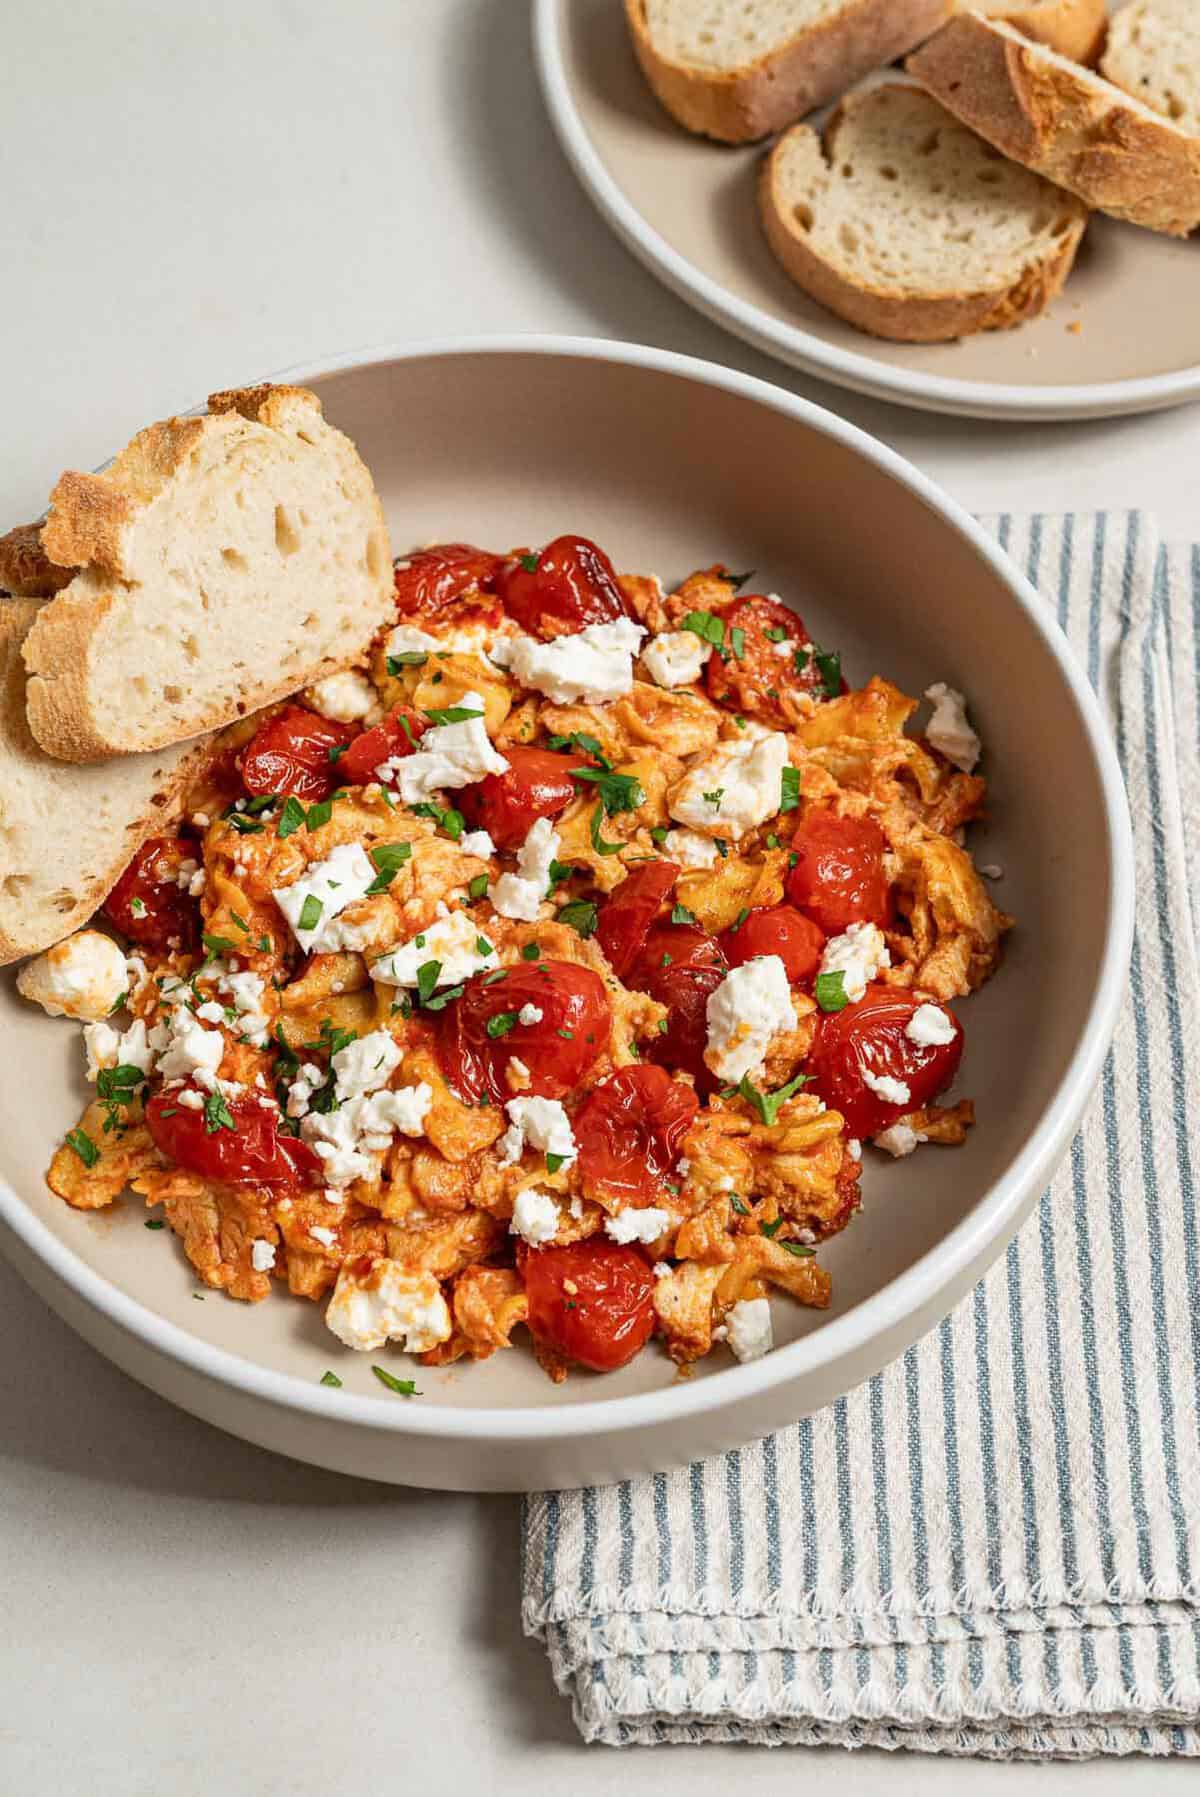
(739, 69)
(906, 224)
(1065, 123)
(26, 571)
(1074, 28)
(223, 562)
(1153, 52)
(66, 832)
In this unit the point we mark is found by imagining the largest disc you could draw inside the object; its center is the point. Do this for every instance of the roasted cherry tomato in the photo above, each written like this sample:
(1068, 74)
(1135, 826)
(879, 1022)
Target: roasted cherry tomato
(569, 585)
(147, 903)
(838, 876)
(679, 966)
(538, 784)
(289, 755)
(592, 1301)
(429, 579)
(480, 1033)
(773, 659)
(777, 930)
(627, 915)
(869, 1037)
(629, 1131)
(252, 1153)
(394, 735)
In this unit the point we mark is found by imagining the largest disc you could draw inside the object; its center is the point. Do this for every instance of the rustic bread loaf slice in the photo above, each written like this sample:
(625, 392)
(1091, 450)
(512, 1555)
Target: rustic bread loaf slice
(739, 69)
(906, 224)
(1153, 52)
(223, 562)
(1074, 28)
(66, 832)
(1065, 123)
(26, 571)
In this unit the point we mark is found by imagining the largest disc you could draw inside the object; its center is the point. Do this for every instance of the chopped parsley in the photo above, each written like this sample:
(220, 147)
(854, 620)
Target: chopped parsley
(776, 634)
(737, 642)
(659, 834)
(219, 945)
(772, 841)
(240, 922)
(743, 1210)
(769, 1104)
(707, 626)
(243, 825)
(154, 1223)
(582, 916)
(452, 714)
(290, 818)
(829, 667)
(319, 814)
(117, 1086)
(328, 1378)
(85, 1148)
(829, 990)
(387, 858)
(310, 912)
(584, 744)
(789, 788)
(406, 1388)
(531, 951)
(408, 658)
(529, 563)
(681, 914)
(446, 818)
(601, 845)
(477, 888)
(617, 792)
(554, 1162)
(799, 1249)
(217, 1114)
(428, 974)
(714, 797)
(740, 919)
(501, 1023)
(337, 750)
(738, 581)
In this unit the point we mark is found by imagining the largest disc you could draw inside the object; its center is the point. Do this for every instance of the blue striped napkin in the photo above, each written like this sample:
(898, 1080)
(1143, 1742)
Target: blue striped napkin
(994, 1546)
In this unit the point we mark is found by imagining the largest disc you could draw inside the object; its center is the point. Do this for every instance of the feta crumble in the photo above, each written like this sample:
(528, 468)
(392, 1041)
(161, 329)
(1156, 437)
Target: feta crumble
(106, 1047)
(592, 665)
(451, 941)
(542, 1123)
(949, 729)
(347, 697)
(81, 977)
(390, 1303)
(535, 1217)
(690, 849)
(899, 1140)
(448, 756)
(748, 1328)
(676, 658)
(528, 1015)
(262, 1255)
(632, 1225)
(930, 1027)
(751, 1006)
(477, 842)
(859, 953)
(520, 895)
(892, 1091)
(326, 889)
(735, 789)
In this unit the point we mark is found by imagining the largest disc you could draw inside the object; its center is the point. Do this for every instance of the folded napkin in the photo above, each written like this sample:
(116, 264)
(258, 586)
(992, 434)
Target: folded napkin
(993, 1547)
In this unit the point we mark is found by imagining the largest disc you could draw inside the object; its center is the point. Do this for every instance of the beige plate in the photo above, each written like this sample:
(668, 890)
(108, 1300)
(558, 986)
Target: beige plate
(671, 464)
(686, 207)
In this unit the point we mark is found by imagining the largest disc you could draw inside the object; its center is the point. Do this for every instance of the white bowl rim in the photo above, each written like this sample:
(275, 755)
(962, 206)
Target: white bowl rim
(801, 348)
(888, 1308)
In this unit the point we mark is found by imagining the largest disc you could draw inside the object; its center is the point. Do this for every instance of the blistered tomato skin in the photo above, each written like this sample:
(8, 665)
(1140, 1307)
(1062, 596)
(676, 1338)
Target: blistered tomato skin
(252, 1153)
(591, 1301)
(756, 681)
(394, 735)
(629, 1131)
(290, 756)
(431, 579)
(573, 584)
(869, 1037)
(680, 965)
(147, 903)
(777, 930)
(538, 784)
(838, 876)
(558, 1049)
(627, 916)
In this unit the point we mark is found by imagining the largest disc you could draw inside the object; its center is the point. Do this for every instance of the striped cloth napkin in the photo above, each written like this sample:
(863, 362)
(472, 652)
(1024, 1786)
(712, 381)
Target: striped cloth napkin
(993, 1547)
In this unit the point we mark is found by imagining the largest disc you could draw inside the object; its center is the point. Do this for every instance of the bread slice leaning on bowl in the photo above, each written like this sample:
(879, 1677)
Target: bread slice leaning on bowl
(1153, 52)
(1064, 123)
(737, 70)
(1074, 28)
(905, 224)
(223, 562)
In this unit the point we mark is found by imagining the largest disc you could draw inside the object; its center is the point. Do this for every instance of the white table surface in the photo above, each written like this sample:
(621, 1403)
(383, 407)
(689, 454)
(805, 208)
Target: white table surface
(193, 197)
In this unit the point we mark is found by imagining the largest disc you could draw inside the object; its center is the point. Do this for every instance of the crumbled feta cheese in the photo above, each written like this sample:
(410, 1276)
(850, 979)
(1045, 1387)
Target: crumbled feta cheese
(364, 1064)
(991, 870)
(517, 1073)
(748, 1328)
(519, 895)
(676, 658)
(738, 787)
(308, 1078)
(854, 1148)
(448, 756)
(949, 730)
(930, 1027)
(331, 885)
(593, 665)
(542, 1123)
(262, 1255)
(892, 1091)
(535, 1217)
(690, 849)
(192, 1101)
(451, 941)
(683, 1166)
(390, 1303)
(631, 1225)
(326, 1237)
(750, 1007)
(107, 1047)
(349, 1138)
(785, 647)
(346, 697)
(186, 1050)
(859, 953)
(528, 1015)
(662, 1269)
(477, 842)
(247, 994)
(211, 1012)
(899, 1140)
(81, 977)
(407, 639)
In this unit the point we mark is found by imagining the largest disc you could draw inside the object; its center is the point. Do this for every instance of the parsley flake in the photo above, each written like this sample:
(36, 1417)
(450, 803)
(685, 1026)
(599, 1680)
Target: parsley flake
(408, 658)
(582, 916)
(829, 990)
(85, 1148)
(387, 858)
(406, 1388)
(789, 788)
(310, 912)
(769, 1104)
(501, 1023)
(328, 1378)
(290, 818)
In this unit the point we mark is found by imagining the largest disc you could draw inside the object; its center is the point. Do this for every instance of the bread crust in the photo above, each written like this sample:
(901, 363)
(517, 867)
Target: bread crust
(742, 105)
(1070, 127)
(26, 571)
(897, 314)
(1075, 28)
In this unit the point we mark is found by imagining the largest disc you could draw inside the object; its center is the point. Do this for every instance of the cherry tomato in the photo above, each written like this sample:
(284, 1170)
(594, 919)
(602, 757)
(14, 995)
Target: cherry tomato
(394, 735)
(572, 584)
(869, 1037)
(756, 681)
(592, 1301)
(627, 915)
(252, 1153)
(838, 877)
(289, 755)
(629, 1131)
(538, 784)
(430, 579)
(679, 966)
(777, 930)
(147, 903)
(480, 1033)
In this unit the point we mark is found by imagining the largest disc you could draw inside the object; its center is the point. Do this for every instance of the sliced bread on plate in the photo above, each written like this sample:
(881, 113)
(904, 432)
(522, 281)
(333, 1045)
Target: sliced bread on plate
(224, 561)
(1065, 123)
(26, 571)
(739, 69)
(908, 226)
(1153, 51)
(1074, 28)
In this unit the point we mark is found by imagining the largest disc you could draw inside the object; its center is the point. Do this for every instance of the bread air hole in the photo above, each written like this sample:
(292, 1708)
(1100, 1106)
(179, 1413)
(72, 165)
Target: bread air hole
(191, 648)
(287, 540)
(14, 885)
(172, 694)
(233, 558)
(803, 216)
